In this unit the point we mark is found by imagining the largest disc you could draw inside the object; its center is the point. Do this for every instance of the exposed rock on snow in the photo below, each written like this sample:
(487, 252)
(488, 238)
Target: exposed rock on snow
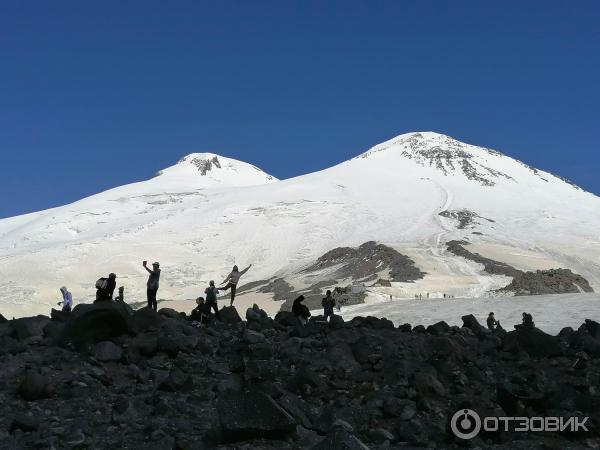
(364, 262)
(553, 281)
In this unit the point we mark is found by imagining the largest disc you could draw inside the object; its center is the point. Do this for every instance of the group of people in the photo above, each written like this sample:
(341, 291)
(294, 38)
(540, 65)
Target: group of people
(300, 310)
(105, 288)
(204, 305)
(527, 322)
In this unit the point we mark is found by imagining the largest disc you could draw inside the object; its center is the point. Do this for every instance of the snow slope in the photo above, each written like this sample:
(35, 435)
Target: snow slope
(550, 313)
(208, 212)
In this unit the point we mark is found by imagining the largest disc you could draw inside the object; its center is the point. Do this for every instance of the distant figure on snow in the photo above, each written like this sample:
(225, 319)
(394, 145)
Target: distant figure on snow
(211, 293)
(105, 287)
(233, 279)
(121, 296)
(328, 304)
(492, 323)
(67, 301)
(152, 284)
(428, 295)
(300, 310)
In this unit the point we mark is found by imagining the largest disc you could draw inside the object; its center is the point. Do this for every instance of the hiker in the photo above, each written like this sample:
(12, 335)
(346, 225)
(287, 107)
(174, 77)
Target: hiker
(152, 284)
(120, 297)
(105, 287)
(300, 310)
(233, 279)
(528, 320)
(328, 304)
(67, 301)
(200, 314)
(211, 298)
(428, 295)
(492, 323)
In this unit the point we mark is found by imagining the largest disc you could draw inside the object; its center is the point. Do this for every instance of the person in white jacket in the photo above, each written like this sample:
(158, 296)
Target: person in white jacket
(233, 279)
(67, 301)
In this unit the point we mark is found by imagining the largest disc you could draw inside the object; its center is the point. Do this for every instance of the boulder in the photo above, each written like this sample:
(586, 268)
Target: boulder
(107, 351)
(533, 341)
(2, 318)
(59, 315)
(27, 327)
(286, 318)
(428, 385)
(97, 322)
(592, 327)
(169, 312)
(34, 387)
(250, 415)
(145, 319)
(175, 381)
(24, 423)
(438, 328)
(229, 315)
(341, 437)
(470, 322)
(262, 369)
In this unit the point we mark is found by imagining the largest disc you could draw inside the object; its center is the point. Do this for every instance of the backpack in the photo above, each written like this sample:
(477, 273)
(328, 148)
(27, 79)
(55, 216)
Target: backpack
(101, 283)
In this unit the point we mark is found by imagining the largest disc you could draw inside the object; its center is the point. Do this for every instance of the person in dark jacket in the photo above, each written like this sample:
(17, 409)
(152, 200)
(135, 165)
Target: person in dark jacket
(211, 293)
(201, 313)
(492, 323)
(106, 293)
(328, 304)
(300, 310)
(152, 284)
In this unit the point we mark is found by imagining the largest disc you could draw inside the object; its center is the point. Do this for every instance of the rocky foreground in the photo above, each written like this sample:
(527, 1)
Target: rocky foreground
(105, 376)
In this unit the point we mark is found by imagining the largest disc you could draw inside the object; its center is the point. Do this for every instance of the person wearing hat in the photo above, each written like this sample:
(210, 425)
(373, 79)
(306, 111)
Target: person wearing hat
(152, 285)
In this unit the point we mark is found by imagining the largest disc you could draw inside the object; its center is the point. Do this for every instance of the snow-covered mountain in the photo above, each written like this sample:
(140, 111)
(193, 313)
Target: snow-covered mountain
(413, 193)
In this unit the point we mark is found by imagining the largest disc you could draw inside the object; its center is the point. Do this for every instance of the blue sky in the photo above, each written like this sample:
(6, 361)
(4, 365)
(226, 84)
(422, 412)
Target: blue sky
(98, 94)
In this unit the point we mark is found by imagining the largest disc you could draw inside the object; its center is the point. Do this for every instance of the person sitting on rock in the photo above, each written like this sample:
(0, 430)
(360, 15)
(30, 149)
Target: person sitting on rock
(300, 310)
(105, 287)
(120, 297)
(201, 313)
(492, 323)
(211, 293)
(233, 279)
(528, 320)
(328, 304)
(67, 301)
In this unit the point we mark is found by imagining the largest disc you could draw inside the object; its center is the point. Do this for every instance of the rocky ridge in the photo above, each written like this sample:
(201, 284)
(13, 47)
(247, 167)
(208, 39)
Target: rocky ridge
(105, 376)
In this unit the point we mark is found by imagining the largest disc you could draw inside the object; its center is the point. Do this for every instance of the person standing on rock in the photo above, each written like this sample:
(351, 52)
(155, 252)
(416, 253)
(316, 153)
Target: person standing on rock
(105, 287)
(211, 293)
(233, 279)
(152, 284)
(67, 301)
(328, 304)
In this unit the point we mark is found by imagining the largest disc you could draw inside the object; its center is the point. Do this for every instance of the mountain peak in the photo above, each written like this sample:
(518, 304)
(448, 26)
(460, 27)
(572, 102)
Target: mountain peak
(213, 170)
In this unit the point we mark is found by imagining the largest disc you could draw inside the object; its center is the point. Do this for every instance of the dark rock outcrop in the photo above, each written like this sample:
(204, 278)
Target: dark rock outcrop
(250, 415)
(97, 322)
(268, 384)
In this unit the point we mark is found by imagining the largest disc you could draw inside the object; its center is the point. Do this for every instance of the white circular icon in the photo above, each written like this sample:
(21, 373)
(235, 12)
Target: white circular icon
(465, 424)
